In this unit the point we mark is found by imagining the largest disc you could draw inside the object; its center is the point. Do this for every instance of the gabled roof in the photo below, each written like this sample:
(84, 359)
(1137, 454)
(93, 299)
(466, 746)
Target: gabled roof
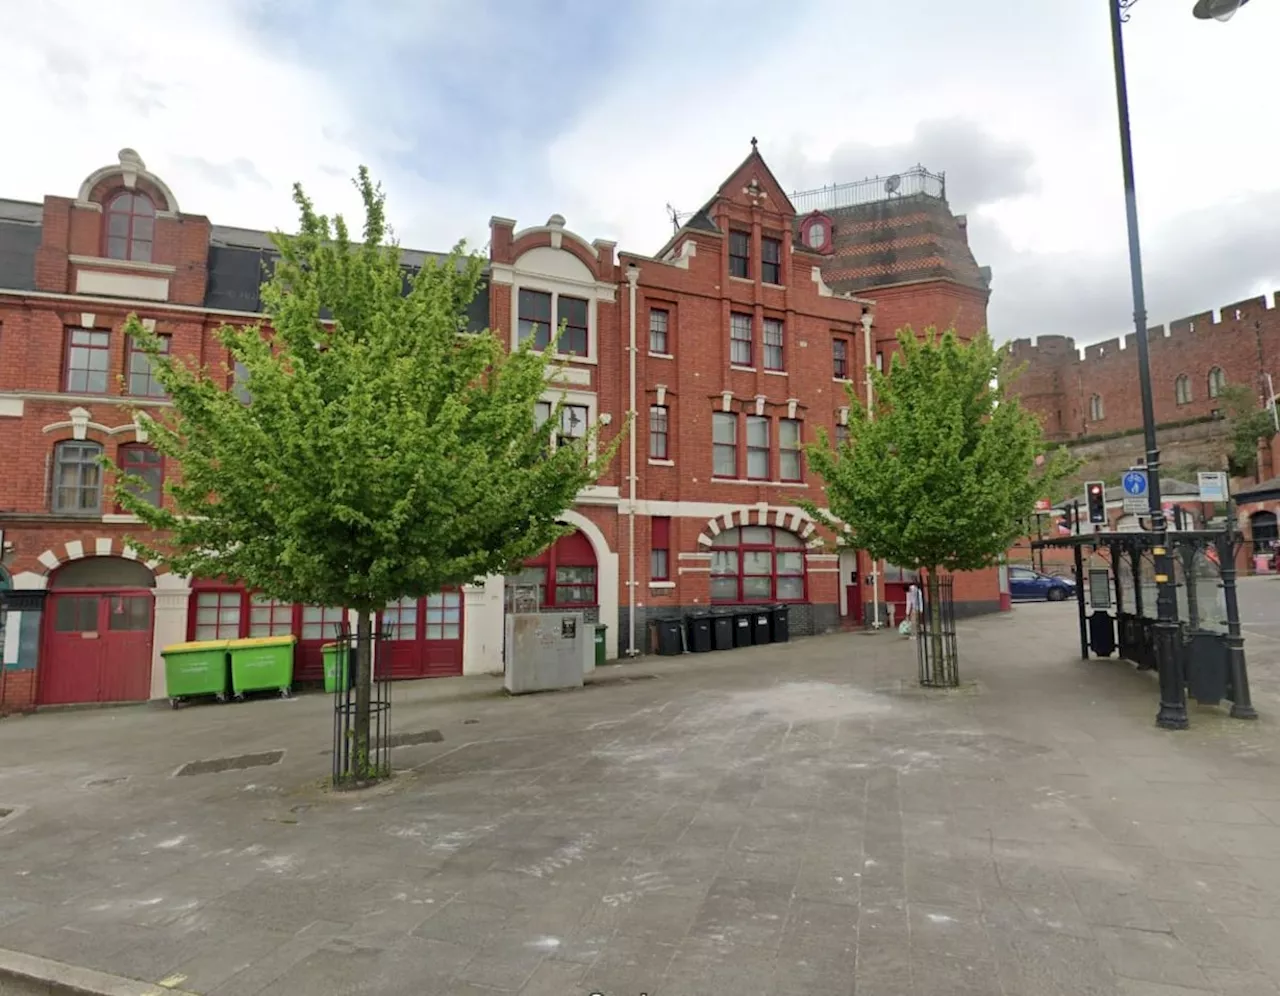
(754, 167)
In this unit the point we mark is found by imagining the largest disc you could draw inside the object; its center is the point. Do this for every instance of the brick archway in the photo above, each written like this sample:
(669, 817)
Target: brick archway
(796, 521)
(99, 546)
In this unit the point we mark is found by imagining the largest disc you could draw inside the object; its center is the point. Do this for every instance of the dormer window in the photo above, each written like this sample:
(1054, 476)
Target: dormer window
(817, 235)
(130, 227)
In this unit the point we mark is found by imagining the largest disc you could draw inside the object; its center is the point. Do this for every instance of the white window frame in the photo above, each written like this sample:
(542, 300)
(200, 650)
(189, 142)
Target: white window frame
(585, 399)
(556, 287)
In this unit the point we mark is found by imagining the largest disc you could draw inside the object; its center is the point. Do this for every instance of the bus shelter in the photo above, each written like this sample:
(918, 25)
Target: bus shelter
(1116, 592)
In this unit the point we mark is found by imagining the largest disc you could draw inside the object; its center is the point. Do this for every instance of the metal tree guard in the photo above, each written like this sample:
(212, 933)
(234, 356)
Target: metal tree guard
(936, 639)
(350, 769)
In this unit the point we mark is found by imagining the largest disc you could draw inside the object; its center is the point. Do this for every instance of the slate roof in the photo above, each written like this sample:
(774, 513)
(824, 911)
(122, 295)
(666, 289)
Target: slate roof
(19, 240)
(1269, 488)
(239, 260)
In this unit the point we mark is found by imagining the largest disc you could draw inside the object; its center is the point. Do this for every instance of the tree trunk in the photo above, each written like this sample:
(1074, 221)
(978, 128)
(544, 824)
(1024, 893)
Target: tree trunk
(364, 694)
(935, 625)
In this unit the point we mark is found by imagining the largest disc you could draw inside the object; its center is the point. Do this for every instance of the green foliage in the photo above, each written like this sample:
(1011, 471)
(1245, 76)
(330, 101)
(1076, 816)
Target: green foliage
(945, 474)
(1250, 422)
(385, 453)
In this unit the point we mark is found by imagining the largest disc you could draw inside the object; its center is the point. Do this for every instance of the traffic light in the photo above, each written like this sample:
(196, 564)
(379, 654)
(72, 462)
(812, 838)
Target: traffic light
(1096, 496)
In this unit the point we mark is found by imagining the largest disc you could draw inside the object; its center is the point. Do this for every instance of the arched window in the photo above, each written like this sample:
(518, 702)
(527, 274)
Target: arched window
(77, 478)
(130, 227)
(565, 574)
(757, 564)
(1182, 389)
(1095, 408)
(1217, 381)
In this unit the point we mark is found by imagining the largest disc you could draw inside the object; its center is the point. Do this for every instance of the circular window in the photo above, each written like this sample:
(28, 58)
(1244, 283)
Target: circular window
(817, 235)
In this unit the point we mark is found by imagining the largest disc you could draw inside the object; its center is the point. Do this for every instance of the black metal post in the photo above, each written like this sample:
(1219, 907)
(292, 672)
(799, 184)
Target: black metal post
(1241, 700)
(1084, 623)
(1116, 559)
(1039, 536)
(1173, 694)
(1135, 567)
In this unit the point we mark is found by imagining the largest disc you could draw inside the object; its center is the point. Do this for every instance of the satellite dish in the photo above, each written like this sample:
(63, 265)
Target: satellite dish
(1218, 10)
(892, 184)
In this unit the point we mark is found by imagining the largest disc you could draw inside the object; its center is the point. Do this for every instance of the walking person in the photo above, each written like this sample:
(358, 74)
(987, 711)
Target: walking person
(915, 605)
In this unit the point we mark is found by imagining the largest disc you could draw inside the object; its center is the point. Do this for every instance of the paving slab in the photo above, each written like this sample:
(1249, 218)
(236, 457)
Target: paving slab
(770, 821)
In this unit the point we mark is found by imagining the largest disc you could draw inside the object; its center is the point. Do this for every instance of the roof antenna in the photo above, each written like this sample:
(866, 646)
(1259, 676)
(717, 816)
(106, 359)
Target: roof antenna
(675, 217)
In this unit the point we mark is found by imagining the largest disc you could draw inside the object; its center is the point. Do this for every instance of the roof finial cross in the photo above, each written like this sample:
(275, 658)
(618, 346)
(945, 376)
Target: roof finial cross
(753, 143)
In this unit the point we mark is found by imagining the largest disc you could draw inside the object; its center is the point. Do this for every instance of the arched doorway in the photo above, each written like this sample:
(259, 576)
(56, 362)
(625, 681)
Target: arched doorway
(97, 633)
(1263, 529)
(577, 573)
(1264, 534)
(565, 574)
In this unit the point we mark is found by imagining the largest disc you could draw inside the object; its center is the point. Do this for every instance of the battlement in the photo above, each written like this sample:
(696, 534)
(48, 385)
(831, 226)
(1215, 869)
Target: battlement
(1091, 389)
(1227, 317)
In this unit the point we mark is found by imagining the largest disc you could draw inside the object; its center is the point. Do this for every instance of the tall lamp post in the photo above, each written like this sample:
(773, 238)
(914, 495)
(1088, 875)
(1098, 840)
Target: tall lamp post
(1173, 693)
(867, 319)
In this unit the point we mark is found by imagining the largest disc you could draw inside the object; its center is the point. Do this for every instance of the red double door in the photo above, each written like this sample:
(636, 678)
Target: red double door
(424, 636)
(97, 647)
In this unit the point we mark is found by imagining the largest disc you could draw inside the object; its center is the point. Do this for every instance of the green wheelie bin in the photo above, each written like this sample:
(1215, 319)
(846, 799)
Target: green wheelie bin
(335, 664)
(263, 663)
(194, 670)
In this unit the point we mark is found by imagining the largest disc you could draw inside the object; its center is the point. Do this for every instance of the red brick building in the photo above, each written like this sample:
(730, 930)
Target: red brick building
(729, 348)
(1095, 391)
(84, 619)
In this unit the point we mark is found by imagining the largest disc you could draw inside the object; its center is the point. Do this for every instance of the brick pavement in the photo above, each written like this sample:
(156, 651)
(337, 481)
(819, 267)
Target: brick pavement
(767, 821)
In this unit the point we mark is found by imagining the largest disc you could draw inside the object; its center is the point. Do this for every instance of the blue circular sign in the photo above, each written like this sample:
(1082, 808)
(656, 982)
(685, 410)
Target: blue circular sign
(1135, 483)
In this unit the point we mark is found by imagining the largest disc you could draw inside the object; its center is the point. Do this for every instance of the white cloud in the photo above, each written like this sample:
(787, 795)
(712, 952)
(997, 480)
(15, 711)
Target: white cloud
(231, 124)
(227, 124)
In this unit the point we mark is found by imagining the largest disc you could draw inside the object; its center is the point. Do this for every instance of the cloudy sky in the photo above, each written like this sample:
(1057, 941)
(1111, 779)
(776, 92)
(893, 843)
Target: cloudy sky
(607, 112)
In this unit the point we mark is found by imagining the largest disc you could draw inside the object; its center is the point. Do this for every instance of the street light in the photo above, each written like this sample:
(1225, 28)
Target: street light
(867, 320)
(1218, 10)
(1173, 692)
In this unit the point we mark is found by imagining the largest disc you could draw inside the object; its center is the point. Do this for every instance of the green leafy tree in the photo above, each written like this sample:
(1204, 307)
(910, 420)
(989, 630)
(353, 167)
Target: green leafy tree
(1249, 423)
(944, 476)
(376, 453)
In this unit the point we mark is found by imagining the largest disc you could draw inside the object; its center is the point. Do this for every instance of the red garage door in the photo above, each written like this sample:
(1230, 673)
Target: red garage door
(425, 636)
(97, 633)
(223, 611)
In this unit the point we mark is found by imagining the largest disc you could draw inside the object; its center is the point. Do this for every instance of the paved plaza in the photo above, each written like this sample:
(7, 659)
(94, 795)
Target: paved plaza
(772, 821)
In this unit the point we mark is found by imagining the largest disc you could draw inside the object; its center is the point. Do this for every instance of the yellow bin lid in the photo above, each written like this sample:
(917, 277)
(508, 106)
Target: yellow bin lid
(261, 641)
(174, 648)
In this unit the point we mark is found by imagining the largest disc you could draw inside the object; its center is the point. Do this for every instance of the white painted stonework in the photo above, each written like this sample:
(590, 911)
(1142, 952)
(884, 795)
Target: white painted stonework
(172, 595)
(606, 576)
(483, 626)
(122, 285)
